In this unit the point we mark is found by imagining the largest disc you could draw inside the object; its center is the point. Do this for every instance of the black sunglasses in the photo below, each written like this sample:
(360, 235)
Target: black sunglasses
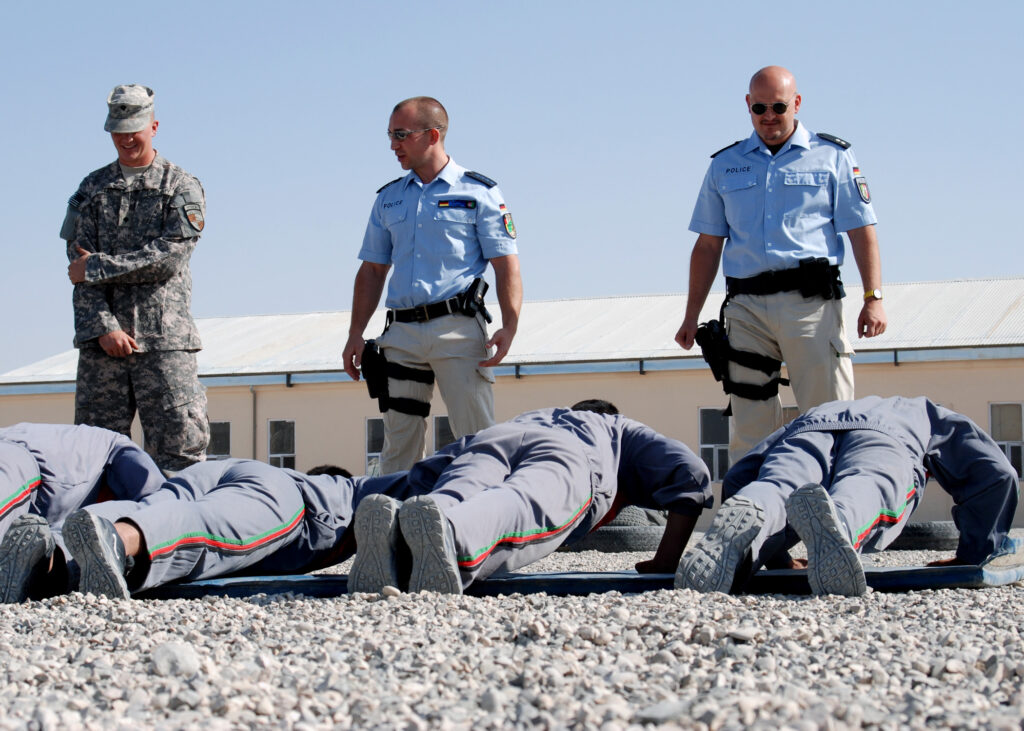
(777, 107)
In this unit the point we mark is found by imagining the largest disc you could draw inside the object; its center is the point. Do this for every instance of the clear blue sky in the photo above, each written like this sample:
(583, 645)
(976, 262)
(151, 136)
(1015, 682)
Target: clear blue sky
(596, 118)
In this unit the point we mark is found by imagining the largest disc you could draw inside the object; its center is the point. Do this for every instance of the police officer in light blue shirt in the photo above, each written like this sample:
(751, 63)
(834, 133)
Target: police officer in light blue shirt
(771, 209)
(439, 236)
(438, 227)
(774, 210)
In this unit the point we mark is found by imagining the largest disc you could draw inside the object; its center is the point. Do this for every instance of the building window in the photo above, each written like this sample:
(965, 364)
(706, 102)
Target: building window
(714, 442)
(220, 440)
(1008, 431)
(282, 443)
(443, 435)
(374, 445)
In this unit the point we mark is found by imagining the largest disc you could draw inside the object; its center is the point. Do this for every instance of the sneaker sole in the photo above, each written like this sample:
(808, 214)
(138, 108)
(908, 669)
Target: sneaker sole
(98, 565)
(833, 566)
(423, 527)
(376, 531)
(712, 563)
(24, 547)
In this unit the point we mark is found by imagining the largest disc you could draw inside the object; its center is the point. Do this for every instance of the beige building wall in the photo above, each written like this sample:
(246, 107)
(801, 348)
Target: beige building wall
(42, 408)
(330, 418)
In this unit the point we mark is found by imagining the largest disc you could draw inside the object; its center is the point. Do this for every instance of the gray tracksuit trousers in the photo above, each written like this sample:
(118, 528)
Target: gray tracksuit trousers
(874, 456)
(243, 516)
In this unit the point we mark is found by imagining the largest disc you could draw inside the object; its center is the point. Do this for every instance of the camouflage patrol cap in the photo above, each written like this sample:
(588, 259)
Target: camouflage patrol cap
(131, 106)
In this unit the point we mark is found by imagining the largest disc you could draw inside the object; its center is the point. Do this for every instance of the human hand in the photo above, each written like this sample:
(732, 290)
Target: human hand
(76, 269)
(352, 355)
(501, 341)
(872, 320)
(118, 344)
(686, 334)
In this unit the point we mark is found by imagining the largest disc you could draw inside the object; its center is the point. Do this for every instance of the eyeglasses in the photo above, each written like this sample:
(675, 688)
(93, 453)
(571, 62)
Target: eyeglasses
(401, 134)
(777, 107)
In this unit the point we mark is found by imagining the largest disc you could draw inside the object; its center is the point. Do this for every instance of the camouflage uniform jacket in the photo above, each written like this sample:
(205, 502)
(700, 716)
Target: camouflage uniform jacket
(141, 234)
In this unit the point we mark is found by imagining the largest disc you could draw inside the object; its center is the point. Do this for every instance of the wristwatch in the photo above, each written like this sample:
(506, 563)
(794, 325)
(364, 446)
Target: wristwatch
(872, 294)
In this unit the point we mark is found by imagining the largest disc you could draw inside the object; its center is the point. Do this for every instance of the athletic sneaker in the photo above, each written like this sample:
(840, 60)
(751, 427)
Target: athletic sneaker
(376, 528)
(24, 557)
(97, 549)
(833, 566)
(426, 530)
(714, 562)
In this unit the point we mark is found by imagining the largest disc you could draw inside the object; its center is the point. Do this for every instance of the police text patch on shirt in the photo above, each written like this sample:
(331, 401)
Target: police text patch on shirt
(456, 203)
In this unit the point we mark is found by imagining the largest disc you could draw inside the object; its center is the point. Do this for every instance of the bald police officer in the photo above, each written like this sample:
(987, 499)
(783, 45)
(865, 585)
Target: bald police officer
(772, 208)
(439, 226)
(130, 230)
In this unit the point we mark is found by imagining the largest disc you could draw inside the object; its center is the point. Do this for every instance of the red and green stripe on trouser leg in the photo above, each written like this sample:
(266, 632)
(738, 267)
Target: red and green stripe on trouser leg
(200, 529)
(19, 481)
(516, 497)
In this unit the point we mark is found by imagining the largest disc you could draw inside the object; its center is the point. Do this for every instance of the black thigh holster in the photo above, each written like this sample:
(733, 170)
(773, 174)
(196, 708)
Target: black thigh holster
(376, 371)
(714, 344)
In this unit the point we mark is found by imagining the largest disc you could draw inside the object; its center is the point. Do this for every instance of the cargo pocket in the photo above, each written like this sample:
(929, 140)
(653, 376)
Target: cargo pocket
(842, 345)
(185, 430)
(840, 342)
(486, 373)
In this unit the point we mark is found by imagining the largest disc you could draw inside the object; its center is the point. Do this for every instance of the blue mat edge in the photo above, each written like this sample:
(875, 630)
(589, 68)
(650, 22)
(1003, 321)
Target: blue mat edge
(779, 581)
(574, 583)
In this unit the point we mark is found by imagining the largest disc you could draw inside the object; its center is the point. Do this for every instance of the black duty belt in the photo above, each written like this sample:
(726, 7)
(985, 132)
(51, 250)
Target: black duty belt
(771, 282)
(428, 312)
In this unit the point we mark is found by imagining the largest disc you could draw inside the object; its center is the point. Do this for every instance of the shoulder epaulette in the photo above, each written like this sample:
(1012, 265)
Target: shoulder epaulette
(387, 184)
(726, 148)
(481, 177)
(834, 140)
(76, 200)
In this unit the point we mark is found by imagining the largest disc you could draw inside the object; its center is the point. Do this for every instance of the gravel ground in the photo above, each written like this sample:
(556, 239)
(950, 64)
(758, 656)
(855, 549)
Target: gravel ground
(666, 659)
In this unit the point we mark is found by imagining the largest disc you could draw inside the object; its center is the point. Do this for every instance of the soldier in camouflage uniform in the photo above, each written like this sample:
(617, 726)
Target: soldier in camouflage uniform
(130, 230)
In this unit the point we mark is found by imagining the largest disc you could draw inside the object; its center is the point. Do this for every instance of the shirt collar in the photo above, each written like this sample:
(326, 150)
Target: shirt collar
(800, 138)
(151, 175)
(450, 174)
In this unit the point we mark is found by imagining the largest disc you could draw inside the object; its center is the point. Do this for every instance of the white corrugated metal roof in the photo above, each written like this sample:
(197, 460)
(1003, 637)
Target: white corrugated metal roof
(975, 313)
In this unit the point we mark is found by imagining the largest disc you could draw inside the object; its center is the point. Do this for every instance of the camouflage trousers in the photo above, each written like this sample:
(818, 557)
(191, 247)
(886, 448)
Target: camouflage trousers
(163, 386)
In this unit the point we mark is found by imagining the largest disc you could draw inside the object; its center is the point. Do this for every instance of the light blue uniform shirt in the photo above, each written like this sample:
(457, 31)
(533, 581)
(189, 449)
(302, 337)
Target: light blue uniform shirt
(775, 210)
(438, 236)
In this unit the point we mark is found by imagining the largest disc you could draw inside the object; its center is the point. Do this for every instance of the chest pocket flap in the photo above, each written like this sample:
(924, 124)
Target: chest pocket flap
(732, 183)
(390, 216)
(808, 178)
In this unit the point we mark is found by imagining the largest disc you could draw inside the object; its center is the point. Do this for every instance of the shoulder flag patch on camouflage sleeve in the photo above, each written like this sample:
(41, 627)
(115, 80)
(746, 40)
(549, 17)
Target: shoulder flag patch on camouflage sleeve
(191, 211)
(194, 215)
